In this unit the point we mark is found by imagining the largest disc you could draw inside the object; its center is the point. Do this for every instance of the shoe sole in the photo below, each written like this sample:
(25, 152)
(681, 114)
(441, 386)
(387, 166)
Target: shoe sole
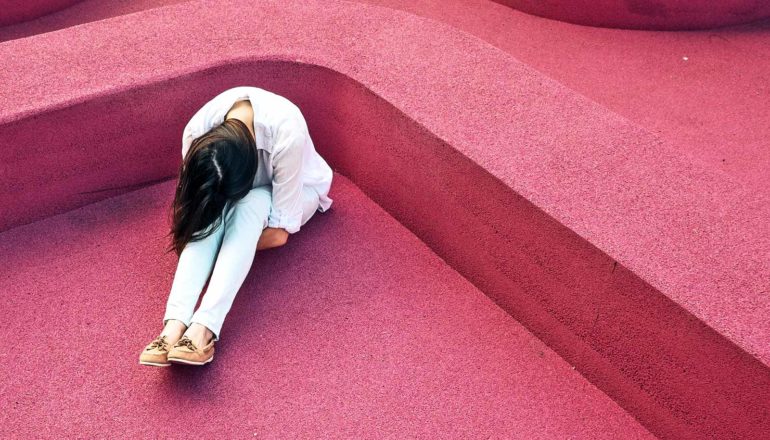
(154, 364)
(186, 362)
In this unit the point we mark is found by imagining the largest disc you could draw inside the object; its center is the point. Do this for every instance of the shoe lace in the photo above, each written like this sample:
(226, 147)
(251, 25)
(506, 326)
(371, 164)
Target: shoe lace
(186, 342)
(159, 343)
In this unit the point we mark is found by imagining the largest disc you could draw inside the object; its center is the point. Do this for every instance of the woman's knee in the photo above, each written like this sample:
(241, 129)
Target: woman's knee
(254, 208)
(260, 195)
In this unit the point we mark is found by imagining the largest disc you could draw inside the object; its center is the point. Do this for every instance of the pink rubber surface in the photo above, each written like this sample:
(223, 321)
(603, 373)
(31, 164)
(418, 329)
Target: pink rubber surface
(16, 11)
(354, 329)
(634, 257)
(704, 92)
(683, 100)
(647, 14)
(81, 11)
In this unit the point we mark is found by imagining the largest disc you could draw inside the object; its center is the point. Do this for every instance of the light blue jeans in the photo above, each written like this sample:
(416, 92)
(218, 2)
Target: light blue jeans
(230, 254)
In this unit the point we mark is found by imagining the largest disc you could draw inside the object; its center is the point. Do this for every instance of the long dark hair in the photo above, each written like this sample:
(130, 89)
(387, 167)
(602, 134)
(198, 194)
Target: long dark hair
(217, 171)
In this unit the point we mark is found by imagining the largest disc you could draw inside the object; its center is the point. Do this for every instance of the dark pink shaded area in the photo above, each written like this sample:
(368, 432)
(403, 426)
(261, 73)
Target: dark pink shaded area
(354, 329)
(81, 11)
(647, 14)
(16, 11)
(610, 245)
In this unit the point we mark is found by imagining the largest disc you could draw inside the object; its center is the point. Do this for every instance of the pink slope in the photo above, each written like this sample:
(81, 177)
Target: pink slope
(354, 329)
(82, 11)
(712, 106)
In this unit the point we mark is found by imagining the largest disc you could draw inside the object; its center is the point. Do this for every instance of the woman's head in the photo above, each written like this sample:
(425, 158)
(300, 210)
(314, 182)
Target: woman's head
(217, 171)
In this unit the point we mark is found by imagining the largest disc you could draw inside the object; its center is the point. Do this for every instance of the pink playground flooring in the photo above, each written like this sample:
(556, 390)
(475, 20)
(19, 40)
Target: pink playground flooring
(376, 337)
(577, 246)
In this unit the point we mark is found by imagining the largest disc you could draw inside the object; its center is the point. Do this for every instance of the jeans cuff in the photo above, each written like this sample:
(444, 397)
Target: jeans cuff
(177, 317)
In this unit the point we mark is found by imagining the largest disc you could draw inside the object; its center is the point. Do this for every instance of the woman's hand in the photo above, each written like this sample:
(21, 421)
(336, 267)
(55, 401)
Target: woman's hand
(272, 237)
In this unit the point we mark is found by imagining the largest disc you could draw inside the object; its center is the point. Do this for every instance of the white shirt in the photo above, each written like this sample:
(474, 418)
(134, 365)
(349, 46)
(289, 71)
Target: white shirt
(287, 157)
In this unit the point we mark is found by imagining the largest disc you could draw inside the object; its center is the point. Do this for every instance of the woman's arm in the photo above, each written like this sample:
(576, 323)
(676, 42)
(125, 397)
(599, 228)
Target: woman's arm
(272, 237)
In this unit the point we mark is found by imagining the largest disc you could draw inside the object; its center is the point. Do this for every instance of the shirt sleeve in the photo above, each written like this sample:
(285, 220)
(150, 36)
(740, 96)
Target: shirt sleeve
(287, 161)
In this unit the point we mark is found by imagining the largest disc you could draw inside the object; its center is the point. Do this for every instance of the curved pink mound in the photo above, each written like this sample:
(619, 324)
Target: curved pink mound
(14, 11)
(647, 14)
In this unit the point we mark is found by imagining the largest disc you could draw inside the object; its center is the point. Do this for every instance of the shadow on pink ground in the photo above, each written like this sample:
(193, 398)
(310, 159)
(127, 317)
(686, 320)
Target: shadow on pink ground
(14, 12)
(647, 14)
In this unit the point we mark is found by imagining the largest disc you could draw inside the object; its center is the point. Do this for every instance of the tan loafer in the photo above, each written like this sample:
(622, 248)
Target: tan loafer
(185, 352)
(156, 353)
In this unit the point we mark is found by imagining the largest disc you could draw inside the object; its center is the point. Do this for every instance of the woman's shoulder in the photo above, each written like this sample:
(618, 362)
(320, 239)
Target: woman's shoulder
(275, 110)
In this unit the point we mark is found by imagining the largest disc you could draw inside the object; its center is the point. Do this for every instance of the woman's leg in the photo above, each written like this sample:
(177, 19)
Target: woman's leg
(239, 245)
(237, 254)
(194, 267)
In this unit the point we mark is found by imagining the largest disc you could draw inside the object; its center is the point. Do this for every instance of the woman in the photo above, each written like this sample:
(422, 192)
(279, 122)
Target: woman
(250, 176)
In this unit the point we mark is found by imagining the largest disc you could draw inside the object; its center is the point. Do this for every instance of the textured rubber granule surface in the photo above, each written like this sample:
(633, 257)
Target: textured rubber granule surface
(353, 329)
